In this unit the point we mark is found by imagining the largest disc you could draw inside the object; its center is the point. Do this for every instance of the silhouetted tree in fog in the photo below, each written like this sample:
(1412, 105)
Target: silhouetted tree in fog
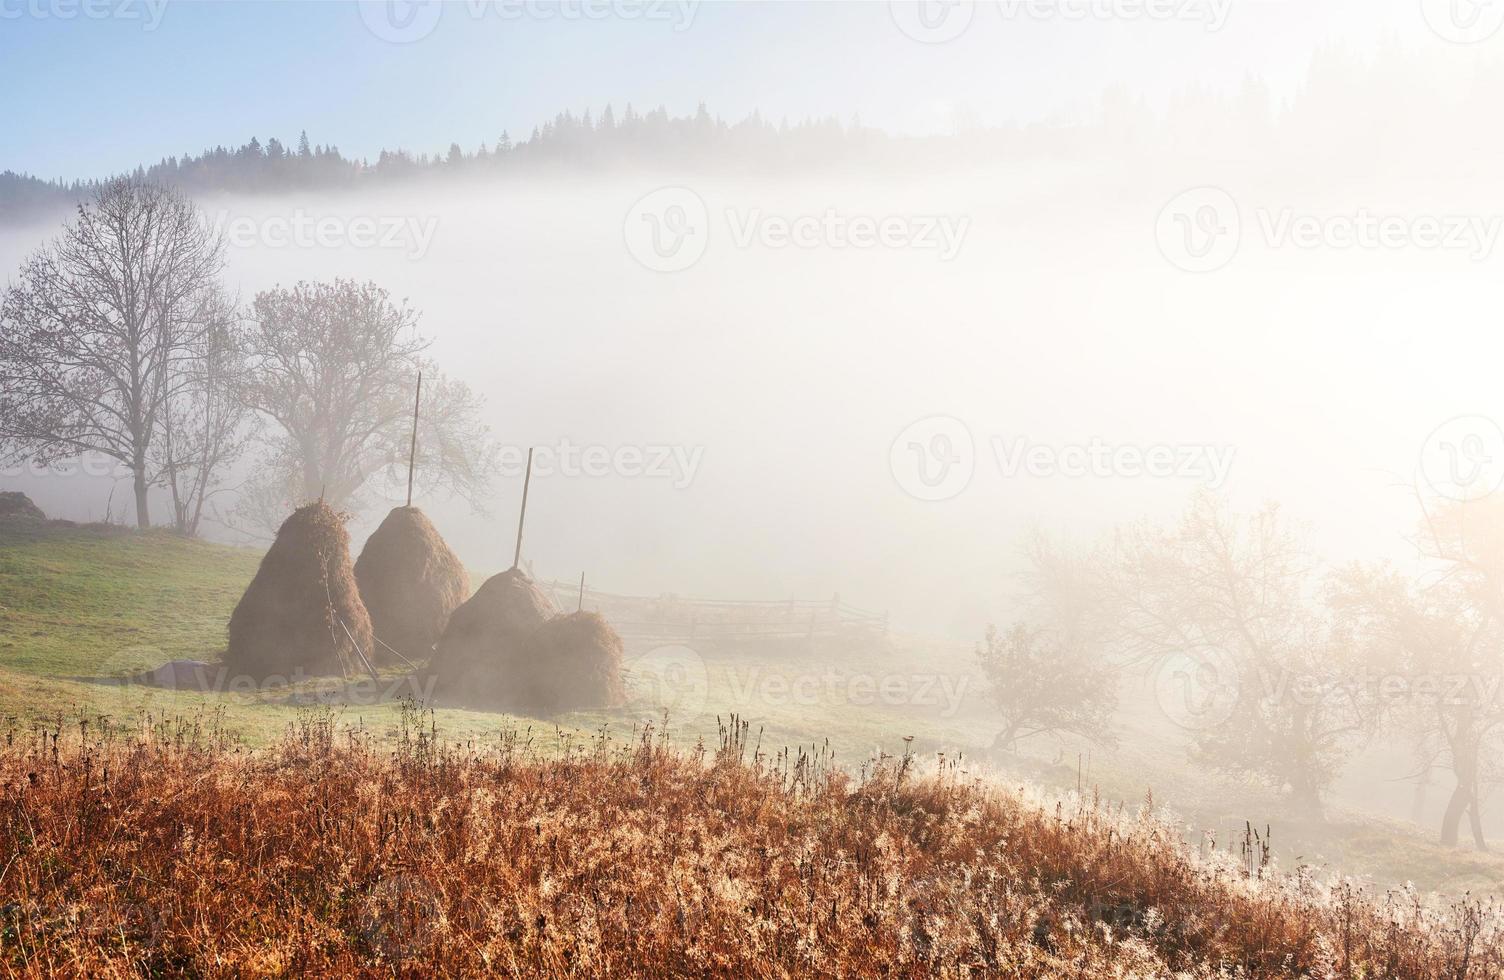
(1233, 604)
(1050, 674)
(100, 328)
(1438, 643)
(207, 427)
(332, 368)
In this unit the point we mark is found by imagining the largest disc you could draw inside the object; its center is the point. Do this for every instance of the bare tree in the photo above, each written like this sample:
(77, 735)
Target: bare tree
(207, 427)
(1239, 599)
(1050, 674)
(332, 366)
(1440, 639)
(95, 333)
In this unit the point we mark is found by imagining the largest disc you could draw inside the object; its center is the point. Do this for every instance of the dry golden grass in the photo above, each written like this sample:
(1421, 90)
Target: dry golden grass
(175, 852)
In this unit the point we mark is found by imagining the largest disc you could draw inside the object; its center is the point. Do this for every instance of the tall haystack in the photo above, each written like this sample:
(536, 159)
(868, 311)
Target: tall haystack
(303, 609)
(15, 505)
(576, 663)
(480, 660)
(410, 582)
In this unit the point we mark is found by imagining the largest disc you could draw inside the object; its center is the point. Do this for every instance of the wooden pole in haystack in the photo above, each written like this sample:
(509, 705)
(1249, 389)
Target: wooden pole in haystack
(412, 452)
(522, 516)
(581, 606)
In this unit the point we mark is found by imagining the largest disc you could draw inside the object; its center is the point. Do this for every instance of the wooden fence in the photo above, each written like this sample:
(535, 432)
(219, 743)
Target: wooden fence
(672, 617)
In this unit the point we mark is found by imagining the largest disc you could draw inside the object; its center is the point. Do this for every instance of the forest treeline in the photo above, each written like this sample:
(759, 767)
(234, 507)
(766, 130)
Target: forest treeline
(1330, 116)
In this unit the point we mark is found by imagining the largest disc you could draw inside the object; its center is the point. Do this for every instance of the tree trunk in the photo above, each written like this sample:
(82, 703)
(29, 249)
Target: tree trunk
(1475, 822)
(143, 513)
(1464, 800)
(1306, 800)
(1452, 818)
(1006, 741)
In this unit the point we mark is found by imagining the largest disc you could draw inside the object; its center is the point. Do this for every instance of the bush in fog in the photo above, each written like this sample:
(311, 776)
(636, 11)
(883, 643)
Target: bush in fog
(1050, 673)
(1044, 684)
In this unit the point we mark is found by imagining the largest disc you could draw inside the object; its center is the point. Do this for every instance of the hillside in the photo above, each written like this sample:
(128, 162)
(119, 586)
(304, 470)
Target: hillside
(178, 853)
(81, 607)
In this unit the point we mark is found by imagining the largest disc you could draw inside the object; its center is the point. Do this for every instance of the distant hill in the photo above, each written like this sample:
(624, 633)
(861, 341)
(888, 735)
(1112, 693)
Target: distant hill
(567, 142)
(24, 198)
(1329, 118)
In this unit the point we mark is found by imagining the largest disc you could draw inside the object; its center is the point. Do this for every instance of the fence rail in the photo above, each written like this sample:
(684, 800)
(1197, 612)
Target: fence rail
(675, 617)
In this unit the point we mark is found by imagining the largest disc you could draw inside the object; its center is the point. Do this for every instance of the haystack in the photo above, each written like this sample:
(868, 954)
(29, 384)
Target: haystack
(576, 663)
(16, 505)
(302, 609)
(482, 655)
(410, 582)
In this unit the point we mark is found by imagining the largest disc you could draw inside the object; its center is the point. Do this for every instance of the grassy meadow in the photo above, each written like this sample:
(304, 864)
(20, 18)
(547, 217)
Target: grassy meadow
(82, 607)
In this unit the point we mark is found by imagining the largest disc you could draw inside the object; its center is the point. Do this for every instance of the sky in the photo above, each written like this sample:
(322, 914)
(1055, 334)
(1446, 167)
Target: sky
(421, 74)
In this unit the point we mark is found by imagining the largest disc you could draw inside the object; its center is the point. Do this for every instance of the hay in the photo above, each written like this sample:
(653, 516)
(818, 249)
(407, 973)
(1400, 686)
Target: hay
(484, 649)
(294, 616)
(575, 663)
(410, 582)
(15, 505)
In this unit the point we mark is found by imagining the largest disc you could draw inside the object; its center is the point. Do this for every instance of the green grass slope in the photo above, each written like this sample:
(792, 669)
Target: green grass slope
(82, 607)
